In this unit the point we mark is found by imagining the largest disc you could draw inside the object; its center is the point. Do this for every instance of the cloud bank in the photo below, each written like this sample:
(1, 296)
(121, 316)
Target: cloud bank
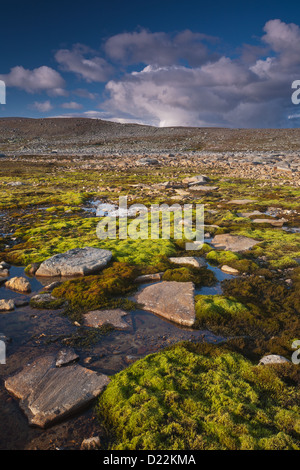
(220, 92)
(178, 79)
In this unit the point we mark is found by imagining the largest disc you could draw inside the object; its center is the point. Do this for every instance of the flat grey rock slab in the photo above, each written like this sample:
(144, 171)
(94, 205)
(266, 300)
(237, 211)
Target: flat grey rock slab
(98, 318)
(205, 189)
(242, 202)
(171, 300)
(195, 261)
(249, 214)
(273, 359)
(76, 262)
(234, 243)
(274, 223)
(49, 394)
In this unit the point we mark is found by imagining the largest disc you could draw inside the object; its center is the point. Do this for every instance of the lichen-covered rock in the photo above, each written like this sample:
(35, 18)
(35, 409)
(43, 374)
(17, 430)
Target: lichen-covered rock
(75, 262)
(172, 300)
(273, 359)
(46, 301)
(19, 284)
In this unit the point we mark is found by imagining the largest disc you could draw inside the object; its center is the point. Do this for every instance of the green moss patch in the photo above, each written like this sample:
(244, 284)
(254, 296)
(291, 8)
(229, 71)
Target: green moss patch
(233, 260)
(279, 247)
(217, 310)
(190, 397)
(43, 240)
(93, 292)
(199, 276)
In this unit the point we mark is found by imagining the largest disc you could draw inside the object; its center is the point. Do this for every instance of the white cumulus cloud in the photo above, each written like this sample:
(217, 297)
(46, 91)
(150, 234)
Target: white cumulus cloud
(34, 81)
(82, 61)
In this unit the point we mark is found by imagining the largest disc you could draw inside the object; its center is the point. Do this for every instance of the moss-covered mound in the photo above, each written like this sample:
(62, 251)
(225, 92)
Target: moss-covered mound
(280, 248)
(233, 260)
(218, 310)
(200, 397)
(41, 240)
(199, 276)
(92, 292)
(265, 309)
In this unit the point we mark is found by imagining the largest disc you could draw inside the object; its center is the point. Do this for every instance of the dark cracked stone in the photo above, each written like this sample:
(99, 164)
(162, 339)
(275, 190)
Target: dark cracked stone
(49, 394)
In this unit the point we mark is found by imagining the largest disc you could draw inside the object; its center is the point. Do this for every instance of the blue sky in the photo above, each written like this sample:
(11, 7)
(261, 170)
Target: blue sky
(162, 62)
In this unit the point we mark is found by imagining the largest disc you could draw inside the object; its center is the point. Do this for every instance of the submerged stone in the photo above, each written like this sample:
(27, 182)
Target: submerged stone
(98, 318)
(172, 300)
(75, 262)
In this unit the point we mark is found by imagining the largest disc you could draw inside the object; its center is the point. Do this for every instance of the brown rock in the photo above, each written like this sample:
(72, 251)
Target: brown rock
(19, 284)
(172, 300)
(235, 243)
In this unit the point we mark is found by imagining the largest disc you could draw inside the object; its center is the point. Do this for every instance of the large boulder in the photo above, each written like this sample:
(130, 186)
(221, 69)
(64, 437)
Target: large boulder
(48, 393)
(76, 262)
(172, 300)
(235, 243)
